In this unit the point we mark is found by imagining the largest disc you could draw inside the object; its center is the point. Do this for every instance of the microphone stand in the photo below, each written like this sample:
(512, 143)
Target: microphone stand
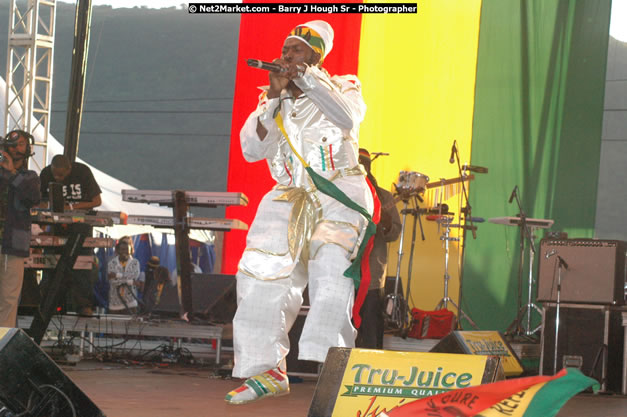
(561, 263)
(515, 327)
(467, 216)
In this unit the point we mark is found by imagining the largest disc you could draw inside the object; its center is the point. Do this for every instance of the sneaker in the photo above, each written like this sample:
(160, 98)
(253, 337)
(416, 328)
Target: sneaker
(272, 383)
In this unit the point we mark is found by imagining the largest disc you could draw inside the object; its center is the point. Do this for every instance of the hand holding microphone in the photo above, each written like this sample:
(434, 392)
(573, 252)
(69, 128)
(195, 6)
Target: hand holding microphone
(268, 66)
(291, 71)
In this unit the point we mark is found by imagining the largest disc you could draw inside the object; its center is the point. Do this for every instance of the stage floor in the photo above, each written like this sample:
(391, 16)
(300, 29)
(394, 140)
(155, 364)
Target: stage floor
(154, 391)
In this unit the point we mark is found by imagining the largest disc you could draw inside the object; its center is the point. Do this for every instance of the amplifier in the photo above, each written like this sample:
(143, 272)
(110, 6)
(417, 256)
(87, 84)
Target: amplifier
(590, 337)
(595, 272)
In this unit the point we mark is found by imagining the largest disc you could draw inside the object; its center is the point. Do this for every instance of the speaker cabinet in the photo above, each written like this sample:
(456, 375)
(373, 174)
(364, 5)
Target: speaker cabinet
(590, 337)
(481, 343)
(32, 384)
(595, 274)
(213, 297)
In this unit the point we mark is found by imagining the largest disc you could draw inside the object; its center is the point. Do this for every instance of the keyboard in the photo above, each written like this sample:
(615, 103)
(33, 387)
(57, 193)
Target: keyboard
(196, 198)
(192, 222)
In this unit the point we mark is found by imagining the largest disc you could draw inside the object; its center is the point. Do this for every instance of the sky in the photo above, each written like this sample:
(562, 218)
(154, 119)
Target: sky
(618, 25)
(155, 4)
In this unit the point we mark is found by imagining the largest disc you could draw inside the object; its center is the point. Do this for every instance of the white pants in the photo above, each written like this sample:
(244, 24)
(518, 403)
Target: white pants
(267, 308)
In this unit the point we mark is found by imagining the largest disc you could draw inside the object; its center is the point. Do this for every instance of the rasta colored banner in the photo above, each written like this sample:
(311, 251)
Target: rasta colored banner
(537, 396)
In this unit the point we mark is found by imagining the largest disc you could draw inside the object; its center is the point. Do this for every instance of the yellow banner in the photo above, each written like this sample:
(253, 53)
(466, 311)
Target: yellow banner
(418, 80)
(375, 381)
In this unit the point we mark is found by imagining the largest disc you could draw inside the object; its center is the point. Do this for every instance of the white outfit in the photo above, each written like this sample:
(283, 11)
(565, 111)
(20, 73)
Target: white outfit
(124, 274)
(301, 236)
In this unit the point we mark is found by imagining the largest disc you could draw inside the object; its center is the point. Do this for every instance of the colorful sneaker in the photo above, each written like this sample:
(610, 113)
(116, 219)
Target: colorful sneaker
(272, 383)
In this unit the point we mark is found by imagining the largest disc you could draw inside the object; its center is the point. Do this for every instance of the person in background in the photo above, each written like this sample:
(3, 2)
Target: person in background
(80, 189)
(123, 273)
(370, 334)
(19, 192)
(81, 192)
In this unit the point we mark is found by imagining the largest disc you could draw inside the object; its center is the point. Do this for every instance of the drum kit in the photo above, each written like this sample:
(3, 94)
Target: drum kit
(410, 187)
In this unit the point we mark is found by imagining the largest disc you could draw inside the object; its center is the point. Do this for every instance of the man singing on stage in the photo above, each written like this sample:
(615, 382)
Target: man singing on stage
(306, 127)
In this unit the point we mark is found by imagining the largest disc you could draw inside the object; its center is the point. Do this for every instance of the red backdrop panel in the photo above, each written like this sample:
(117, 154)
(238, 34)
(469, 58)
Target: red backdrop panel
(261, 37)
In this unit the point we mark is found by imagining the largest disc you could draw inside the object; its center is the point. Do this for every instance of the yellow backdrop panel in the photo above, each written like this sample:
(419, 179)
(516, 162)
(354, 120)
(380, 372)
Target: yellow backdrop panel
(418, 76)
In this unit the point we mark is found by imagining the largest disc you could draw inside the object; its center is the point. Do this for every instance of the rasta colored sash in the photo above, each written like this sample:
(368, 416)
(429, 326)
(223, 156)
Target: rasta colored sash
(361, 261)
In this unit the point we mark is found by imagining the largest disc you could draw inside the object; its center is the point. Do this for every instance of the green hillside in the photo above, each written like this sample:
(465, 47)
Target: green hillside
(158, 93)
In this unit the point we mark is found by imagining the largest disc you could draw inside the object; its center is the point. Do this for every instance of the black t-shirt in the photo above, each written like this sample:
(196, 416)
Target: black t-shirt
(80, 185)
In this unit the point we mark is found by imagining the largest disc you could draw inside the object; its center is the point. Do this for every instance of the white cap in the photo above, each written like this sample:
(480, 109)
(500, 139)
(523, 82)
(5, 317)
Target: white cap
(323, 29)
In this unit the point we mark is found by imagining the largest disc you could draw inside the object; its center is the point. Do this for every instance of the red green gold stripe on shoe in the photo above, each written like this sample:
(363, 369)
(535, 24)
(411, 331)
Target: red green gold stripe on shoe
(257, 386)
(231, 394)
(267, 382)
(276, 375)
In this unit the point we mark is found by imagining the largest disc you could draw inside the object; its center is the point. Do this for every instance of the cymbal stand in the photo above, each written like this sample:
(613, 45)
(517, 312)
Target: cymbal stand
(396, 306)
(416, 213)
(445, 221)
(515, 328)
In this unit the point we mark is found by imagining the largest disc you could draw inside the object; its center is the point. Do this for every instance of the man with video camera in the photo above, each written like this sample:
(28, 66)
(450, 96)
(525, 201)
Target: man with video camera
(19, 191)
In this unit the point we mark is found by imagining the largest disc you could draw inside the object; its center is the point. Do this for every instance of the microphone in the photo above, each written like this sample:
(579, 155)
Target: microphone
(452, 158)
(562, 262)
(475, 168)
(268, 66)
(380, 154)
(511, 197)
(550, 253)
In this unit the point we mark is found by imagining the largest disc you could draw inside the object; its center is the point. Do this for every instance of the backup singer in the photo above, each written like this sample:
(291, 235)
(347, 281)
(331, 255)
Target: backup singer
(300, 236)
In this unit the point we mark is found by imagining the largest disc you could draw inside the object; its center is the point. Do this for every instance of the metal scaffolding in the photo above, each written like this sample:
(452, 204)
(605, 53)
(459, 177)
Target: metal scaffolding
(29, 72)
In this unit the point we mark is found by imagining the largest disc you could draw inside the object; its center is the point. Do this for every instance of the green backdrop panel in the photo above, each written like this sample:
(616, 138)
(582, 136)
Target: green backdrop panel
(537, 124)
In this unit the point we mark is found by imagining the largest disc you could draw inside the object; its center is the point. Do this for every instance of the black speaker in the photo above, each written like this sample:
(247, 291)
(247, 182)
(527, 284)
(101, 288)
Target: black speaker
(595, 272)
(590, 337)
(491, 343)
(213, 297)
(32, 384)
(30, 297)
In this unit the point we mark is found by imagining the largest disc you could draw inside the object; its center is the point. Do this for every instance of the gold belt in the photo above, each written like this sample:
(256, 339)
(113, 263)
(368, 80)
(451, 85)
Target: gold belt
(306, 212)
